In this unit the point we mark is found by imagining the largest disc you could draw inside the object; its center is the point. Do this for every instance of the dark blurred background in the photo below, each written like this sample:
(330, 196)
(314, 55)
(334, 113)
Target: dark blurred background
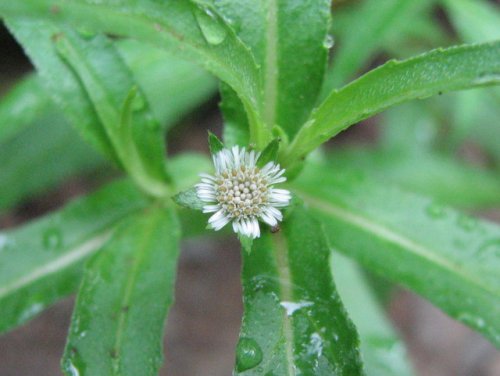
(202, 328)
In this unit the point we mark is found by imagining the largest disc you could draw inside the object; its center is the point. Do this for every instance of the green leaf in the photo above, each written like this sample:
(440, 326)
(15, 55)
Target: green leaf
(383, 353)
(40, 156)
(289, 42)
(178, 26)
(395, 82)
(447, 257)
(476, 112)
(173, 87)
(39, 149)
(418, 34)
(432, 174)
(135, 134)
(246, 243)
(134, 273)
(411, 128)
(189, 199)
(214, 143)
(270, 153)
(294, 321)
(59, 81)
(32, 277)
(41, 262)
(21, 106)
(475, 20)
(185, 169)
(236, 129)
(375, 23)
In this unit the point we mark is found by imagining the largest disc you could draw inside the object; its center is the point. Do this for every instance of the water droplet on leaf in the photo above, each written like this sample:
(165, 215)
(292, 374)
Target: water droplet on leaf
(211, 28)
(248, 354)
(291, 307)
(86, 33)
(474, 321)
(435, 210)
(73, 370)
(486, 78)
(52, 239)
(315, 346)
(329, 41)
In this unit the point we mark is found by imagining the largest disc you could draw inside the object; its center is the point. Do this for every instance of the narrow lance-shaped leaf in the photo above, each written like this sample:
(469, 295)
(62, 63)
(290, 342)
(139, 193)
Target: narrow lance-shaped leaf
(449, 258)
(39, 148)
(407, 156)
(214, 143)
(475, 20)
(61, 84)
(383, 353)
(431, 174)
(41, 156)
(21, 106)
(395, 82)
(173, 87)
(135, 134)
(289, 41)
(127, 289)
(270, 153)
(179, 26)
(476, 113)
(375, 22)
(236, 129)
(41, 262)
(294, 321)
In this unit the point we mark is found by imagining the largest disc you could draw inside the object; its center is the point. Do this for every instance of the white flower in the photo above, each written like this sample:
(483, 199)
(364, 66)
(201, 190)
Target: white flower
(242, 193)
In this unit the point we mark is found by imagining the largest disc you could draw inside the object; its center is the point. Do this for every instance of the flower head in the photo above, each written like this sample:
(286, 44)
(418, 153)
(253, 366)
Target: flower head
(242, 192)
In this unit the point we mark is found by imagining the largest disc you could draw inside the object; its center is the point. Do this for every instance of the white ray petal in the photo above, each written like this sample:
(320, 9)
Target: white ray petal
(218, 220)
(256, 228)
(211, 208)
(269, 219)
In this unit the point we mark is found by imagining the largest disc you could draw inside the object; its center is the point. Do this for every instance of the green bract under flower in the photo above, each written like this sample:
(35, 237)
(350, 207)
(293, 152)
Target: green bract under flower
(242, 193)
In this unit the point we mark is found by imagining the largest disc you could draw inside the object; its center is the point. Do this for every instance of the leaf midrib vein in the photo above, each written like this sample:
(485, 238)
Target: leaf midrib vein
(127, 295)
(271, 65)
(54, 266)
(283, 268)
(391, 236)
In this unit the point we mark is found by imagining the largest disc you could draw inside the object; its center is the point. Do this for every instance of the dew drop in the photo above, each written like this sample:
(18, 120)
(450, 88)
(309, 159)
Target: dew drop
(248, 354)
(211, 28)
(329, 41)
(31, 311)
(86, 33)
(73, 370)
(291, 307)
(52, 239)
(470, 320)
(486, 78)
(315, 345)
(435, 210)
